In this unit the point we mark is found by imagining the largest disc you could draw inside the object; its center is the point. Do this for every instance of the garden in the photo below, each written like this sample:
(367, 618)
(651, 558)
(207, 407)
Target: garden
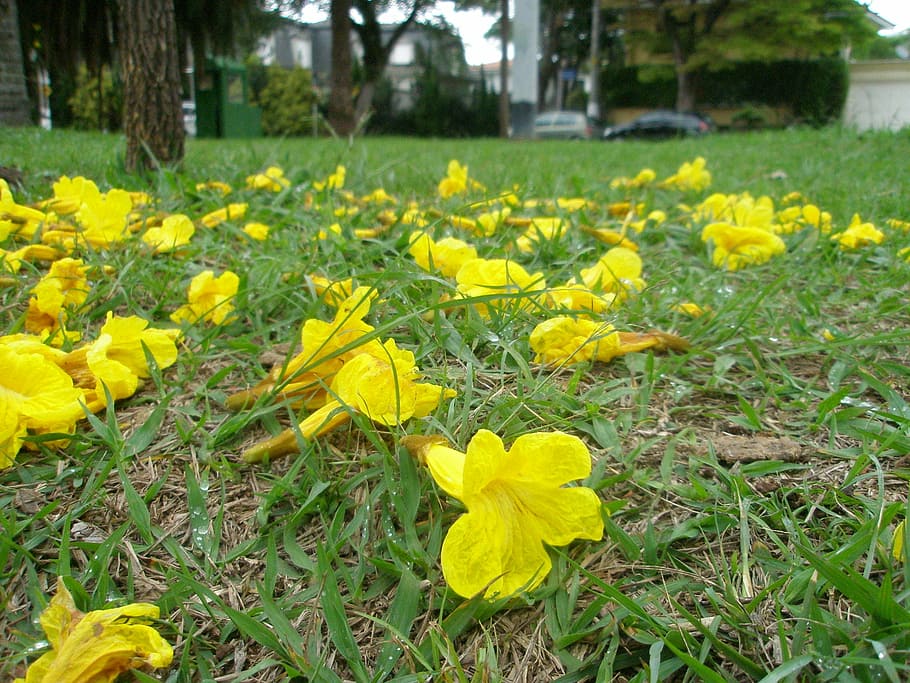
(389, 409)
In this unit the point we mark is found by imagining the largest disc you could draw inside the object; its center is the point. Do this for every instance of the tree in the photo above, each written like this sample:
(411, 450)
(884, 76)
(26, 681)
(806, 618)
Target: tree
(341, 107)
(152, 113)
(13, 98)
(711, 33)
(376, 47)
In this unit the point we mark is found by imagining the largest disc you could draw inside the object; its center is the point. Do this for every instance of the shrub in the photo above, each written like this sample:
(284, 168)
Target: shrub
(288, 102)
(94, 107)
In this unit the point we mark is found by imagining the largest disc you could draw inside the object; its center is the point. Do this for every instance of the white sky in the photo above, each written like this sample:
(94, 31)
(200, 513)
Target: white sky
(473, 24)
(895, 11)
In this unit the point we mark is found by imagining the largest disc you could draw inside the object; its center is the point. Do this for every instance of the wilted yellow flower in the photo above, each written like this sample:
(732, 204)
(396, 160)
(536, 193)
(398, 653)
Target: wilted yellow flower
(216, 185)
(335, 181)
(645, 177)
(325, 348)
(690, 176)
(691, 308)
(98, 646)
(447, 255)
(858, 234)
(229, 212)
(576, 297)
(35, 396)
(564, 340)
(516, 505)
(16, 219)
(507, 282)
(273, 180)
(381, 387)
(210, 299)
(61, 290)
(174, 231)
(256, 231)
(736, 246)
(117, 360)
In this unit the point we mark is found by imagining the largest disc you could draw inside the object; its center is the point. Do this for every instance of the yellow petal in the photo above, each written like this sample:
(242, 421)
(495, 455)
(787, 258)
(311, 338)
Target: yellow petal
(547, 458)
(447, 467)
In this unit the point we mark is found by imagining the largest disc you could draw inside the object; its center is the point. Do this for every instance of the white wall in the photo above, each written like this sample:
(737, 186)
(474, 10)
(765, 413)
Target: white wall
(879, 95)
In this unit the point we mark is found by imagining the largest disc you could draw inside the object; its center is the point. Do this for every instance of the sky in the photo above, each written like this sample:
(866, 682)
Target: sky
(895, 11)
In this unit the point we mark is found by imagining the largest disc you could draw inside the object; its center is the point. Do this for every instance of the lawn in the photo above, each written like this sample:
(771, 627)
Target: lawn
(749, 461)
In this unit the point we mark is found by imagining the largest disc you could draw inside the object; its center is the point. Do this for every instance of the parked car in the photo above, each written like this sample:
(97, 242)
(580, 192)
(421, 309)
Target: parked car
(568, 125)
(661, 124)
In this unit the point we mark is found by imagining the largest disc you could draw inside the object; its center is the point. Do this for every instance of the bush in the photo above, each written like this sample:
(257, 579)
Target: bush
(288, 102)
(95, 108)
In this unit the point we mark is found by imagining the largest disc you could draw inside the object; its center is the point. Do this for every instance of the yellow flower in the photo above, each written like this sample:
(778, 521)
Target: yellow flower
(335, 181)
(541, 228)
(333, 292)
(516, 502)
(16, 219)
(644, 178)
(736, 246)
(257, 231)
(691, 309)
(325, 347)
(381, 387)
(498, 278)
(70, 194)
(104, 220)
(116, 359)
(897, 541)
(98, 646)
(216, 185)
(457, 181)
(209, 298)
(333, 229)
(35, 396)
(379, 196)
(174, 231)
(447, 255)
(577, 297)
(564, 340)
(858, 234)
(62, 289)
(229, 212)
(690, 176)
(273, 180)
(618, 271)
(489, 221)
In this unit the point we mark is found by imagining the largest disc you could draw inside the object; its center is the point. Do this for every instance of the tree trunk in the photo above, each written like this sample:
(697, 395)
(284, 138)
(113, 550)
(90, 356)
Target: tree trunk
(14, 105)
(341, 107)
(152, 115)
(504, 103)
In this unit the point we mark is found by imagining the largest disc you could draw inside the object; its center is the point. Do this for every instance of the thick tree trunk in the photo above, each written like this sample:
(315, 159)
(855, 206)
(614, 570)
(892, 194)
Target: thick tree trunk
(14, 105)
(504, 101)
(152, 115)
(341, 106)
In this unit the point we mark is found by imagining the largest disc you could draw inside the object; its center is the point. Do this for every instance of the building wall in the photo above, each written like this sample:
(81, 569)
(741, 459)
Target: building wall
(14, 105)
(879, 95)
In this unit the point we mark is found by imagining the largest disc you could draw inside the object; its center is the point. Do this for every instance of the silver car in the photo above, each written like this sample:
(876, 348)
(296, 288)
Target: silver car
(568, 125)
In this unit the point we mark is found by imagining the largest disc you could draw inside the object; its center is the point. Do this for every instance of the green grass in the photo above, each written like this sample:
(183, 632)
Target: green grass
(754, 481)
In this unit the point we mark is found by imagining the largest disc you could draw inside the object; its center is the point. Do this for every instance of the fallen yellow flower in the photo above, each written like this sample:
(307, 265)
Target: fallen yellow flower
(98, 646)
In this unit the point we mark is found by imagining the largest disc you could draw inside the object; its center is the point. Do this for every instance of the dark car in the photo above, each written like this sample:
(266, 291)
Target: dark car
(659, 125)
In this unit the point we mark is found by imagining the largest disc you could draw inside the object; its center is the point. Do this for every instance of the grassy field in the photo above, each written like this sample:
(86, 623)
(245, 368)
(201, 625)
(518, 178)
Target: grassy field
(752, 484)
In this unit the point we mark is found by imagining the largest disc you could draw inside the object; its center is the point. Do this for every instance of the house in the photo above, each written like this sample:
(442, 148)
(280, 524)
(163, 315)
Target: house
(310, 46)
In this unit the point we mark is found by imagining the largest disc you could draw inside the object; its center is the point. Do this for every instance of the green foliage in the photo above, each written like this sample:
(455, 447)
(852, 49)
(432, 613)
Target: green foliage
(94, 106)
(815, 90)
(288, 102)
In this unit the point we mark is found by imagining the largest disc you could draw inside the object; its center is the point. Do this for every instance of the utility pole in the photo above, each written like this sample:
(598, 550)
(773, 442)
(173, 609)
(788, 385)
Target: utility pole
(526, 37)
(594, 90)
